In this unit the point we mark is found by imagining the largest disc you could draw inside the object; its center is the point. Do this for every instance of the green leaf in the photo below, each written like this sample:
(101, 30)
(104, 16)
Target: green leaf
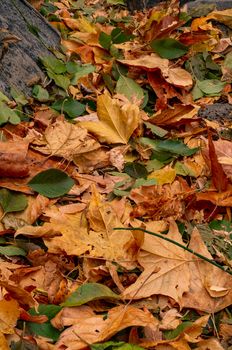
(8, 115)
(18, 96)
(129, 88)
(118, 36)
(156, 129)
(115, 2)
(136, 170)
(51, 183)
(3, 98)
(174, 333)
(59, 79)
(144, 182)
(88, 292)
(169, 48)
(12, 251)
(45, 309)
(211, 86)
(52, 63)
(40, 93)
(105, 40)
(44, 330)
(71, 107)
(12, 201)
(154, 164)
(176, 147)
(221, 225)
(81, 72)
(113, 345)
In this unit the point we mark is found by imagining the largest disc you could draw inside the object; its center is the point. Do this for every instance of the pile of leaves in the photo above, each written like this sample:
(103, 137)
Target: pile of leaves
(115, 192)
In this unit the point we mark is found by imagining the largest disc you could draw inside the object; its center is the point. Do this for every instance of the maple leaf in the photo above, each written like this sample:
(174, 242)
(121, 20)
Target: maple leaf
(112, 120)
(164, 267)
(65, 140)
(210, 288)
(100, 241)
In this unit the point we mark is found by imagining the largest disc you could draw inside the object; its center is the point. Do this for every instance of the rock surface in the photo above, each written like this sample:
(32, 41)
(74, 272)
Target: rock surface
(24, 37)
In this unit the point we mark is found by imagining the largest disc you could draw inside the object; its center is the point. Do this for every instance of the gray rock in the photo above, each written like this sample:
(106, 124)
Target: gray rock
(24, 37)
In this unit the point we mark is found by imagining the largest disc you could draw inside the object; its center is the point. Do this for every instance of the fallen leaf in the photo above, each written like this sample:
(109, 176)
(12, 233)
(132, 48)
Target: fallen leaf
(13, 162)
(112, 120)
(65, 140)
(164, 265)
(218, 176)
(94, 329)
(9, 314)
(204, 276)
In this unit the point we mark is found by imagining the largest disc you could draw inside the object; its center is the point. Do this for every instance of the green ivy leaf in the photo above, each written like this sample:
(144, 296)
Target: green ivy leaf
(105, 40)
(51, 183)
(8, 115)
(118, 36)
(11, 201)
(157, 130)
(136, 170)
(176, 147)
(71, 107)
(54, 64)
(59, 79)
(129, 88)
(40, 93)
(211, 86)
(82, 71)
(169, 48)
(89, 292)
(11, 250)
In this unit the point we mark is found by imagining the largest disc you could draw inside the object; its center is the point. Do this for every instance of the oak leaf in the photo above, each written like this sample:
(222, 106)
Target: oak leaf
(112, 120)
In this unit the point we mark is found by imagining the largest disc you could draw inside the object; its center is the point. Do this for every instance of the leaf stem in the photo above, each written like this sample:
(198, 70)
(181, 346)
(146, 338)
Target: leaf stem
(177, 244)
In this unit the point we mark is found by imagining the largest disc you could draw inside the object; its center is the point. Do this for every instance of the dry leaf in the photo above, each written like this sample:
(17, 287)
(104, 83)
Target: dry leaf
(203, 277)
(9, 314)
(164, 266)
(65, 140)
(95, 329)
(112, 120)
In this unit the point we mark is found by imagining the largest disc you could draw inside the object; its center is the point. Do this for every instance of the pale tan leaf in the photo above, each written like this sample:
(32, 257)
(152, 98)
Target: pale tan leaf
(164, 267)
(179, 77)
(94, 329)
(205, 278)
(209, 344)
(112, 120)
(65, 140)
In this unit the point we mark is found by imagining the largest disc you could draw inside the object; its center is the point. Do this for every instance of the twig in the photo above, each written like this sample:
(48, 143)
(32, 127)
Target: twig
(177, 244)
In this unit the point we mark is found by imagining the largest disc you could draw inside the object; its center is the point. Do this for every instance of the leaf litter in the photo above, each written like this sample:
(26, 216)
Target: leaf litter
(116, 144)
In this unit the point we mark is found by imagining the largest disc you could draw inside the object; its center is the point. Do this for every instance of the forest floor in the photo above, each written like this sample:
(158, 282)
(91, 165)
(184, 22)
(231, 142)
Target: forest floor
(116, 191)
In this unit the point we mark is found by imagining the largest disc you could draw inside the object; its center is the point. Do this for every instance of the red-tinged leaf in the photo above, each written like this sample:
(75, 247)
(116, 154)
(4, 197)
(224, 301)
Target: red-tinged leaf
(219, 178)
(25, 316)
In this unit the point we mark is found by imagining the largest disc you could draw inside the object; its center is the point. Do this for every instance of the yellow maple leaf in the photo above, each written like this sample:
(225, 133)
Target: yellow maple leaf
(116, 123)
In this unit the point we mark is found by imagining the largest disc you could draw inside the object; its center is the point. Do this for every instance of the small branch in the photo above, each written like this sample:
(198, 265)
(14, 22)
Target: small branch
(177, 244)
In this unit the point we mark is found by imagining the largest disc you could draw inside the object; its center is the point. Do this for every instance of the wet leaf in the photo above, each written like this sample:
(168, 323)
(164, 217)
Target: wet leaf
(51, 183)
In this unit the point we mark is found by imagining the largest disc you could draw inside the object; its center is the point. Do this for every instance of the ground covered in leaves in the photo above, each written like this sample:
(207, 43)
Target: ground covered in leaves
(125, 139)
